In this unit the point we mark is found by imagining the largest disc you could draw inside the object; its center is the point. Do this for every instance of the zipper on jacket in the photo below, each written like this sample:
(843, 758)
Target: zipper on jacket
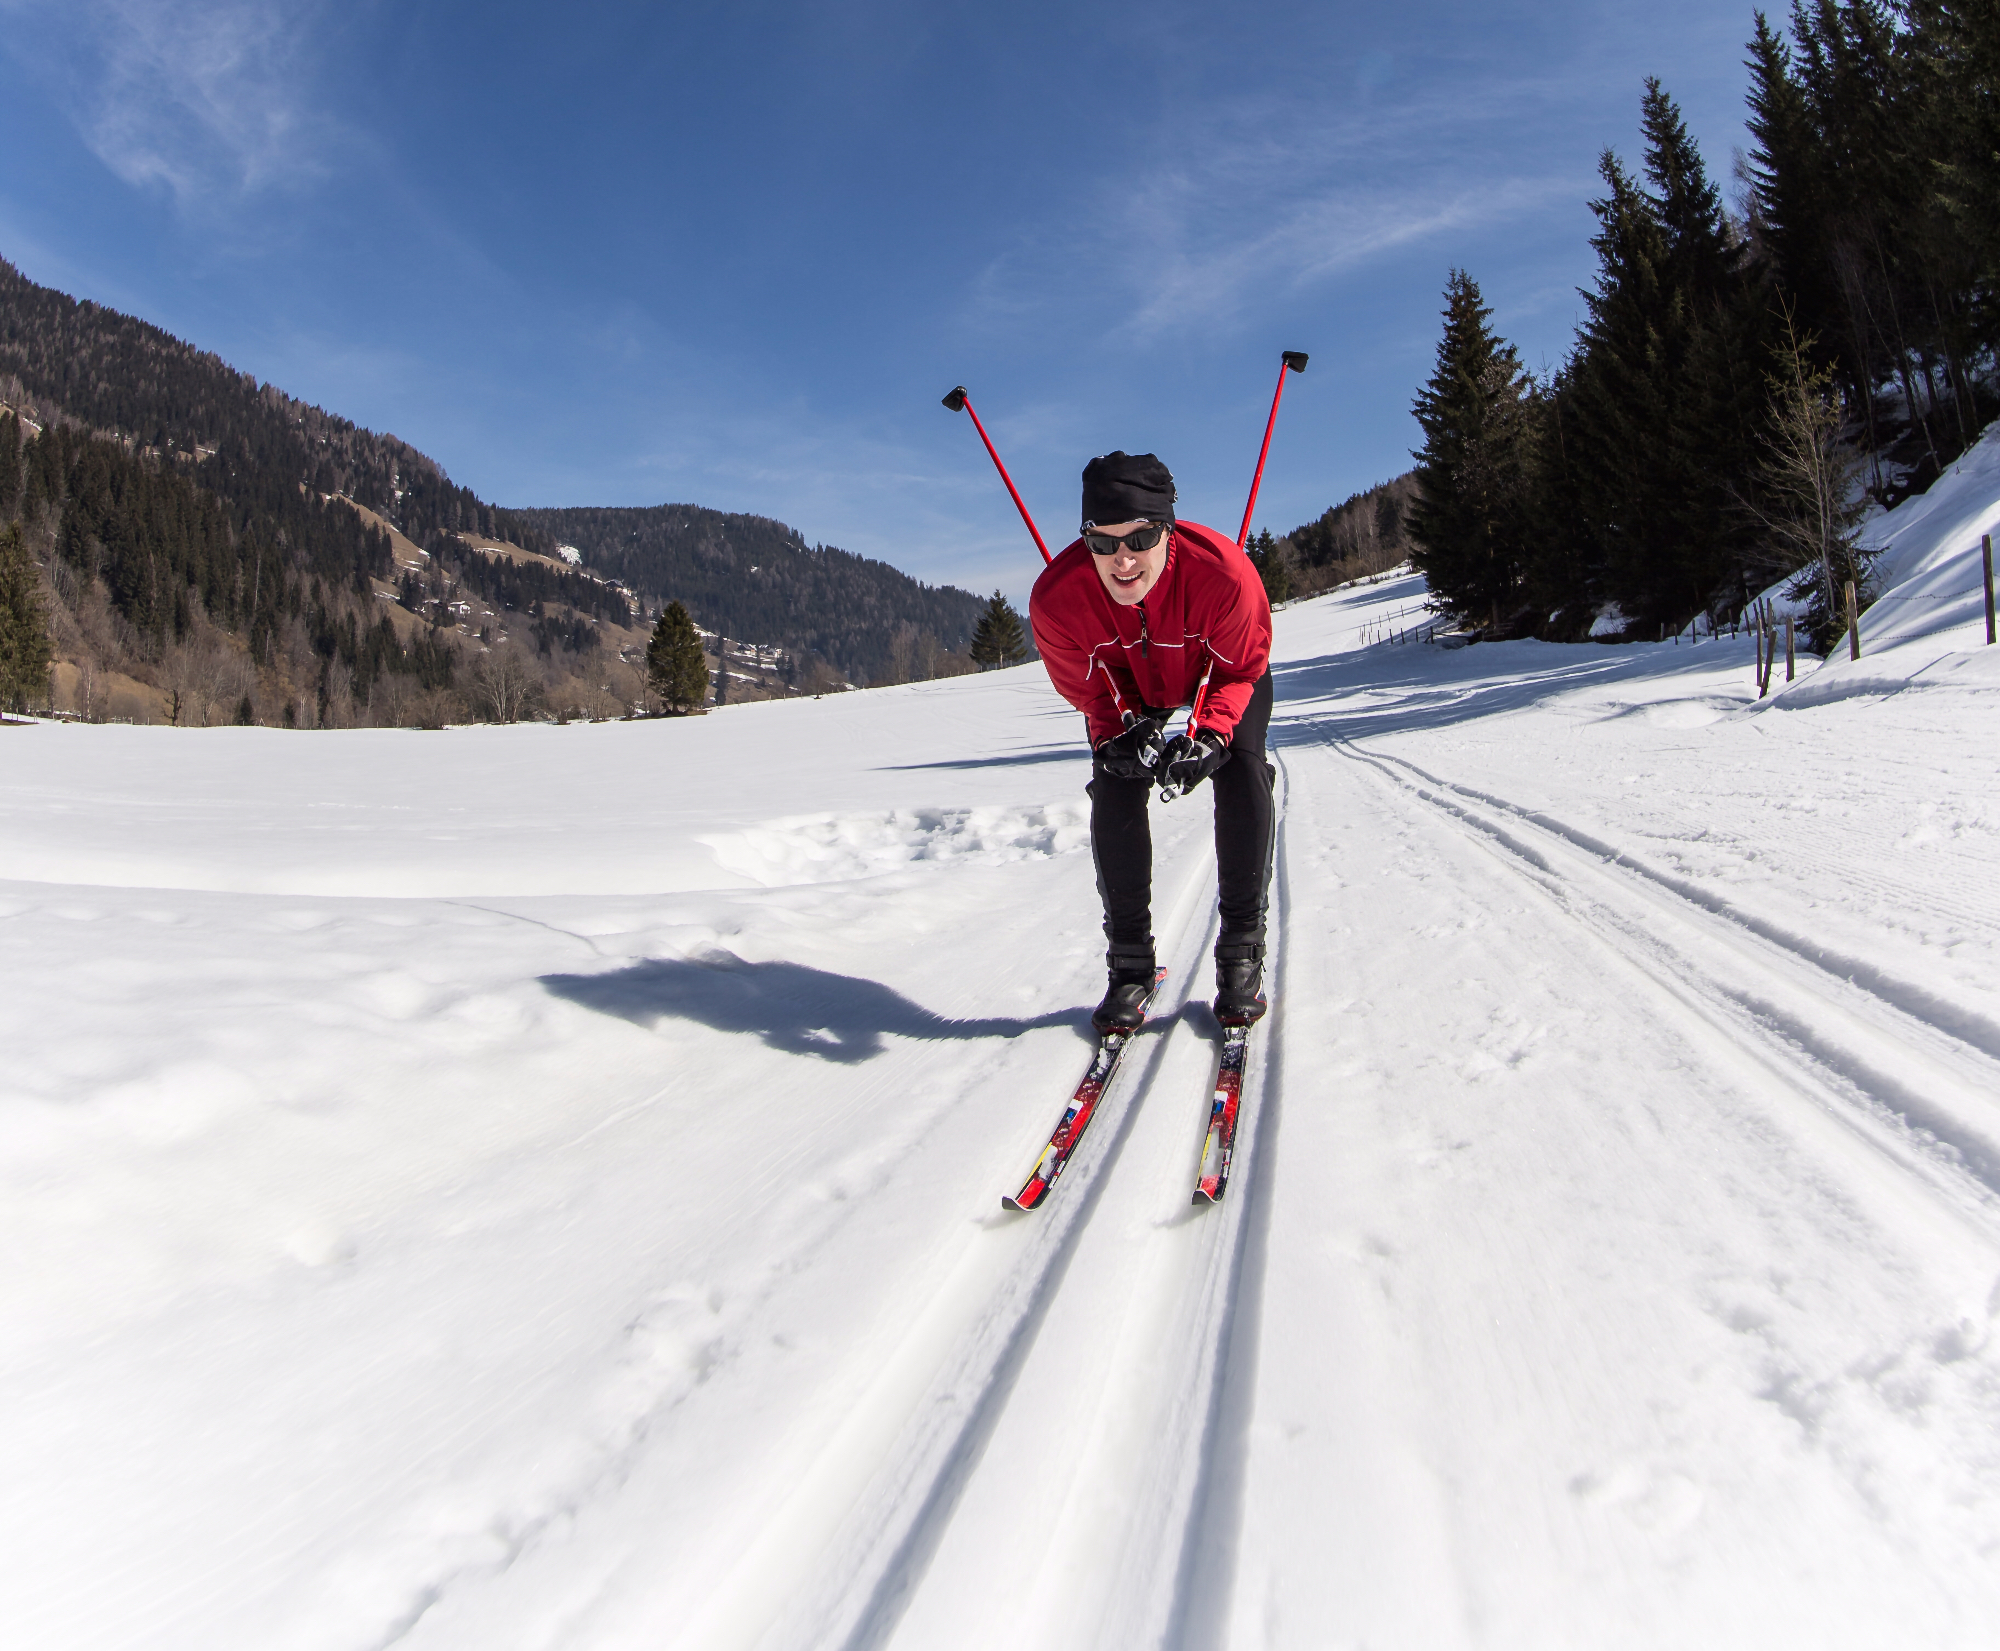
(1145, 642)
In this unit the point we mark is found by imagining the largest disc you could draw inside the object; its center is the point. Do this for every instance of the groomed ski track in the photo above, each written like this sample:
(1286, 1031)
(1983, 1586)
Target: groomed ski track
(1057, 1384)
(1610, 1259)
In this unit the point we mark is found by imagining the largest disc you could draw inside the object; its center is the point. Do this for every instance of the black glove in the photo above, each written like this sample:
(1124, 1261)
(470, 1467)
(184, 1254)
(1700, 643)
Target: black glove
(1134, 754)
(1186, 761)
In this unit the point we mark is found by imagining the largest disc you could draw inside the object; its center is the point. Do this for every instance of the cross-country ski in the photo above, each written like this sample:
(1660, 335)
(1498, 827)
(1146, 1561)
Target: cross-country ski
(1218, 1145)
(1082, 1107)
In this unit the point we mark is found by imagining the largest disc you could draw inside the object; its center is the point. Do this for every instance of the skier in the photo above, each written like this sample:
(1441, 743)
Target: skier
(1141, 615)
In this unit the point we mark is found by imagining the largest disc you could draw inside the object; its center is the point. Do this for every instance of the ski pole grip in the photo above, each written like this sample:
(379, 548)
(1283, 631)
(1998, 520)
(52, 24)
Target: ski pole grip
(958, 402)
(1289, 361)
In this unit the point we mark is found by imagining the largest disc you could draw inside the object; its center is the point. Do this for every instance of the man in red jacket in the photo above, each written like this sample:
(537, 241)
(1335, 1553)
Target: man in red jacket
(1141, 615)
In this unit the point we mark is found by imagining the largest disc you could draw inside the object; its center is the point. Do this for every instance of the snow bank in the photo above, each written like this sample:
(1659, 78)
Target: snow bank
(822, 848)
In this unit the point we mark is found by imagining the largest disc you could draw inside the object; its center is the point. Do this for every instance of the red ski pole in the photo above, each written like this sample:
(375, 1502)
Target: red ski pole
(957, 403)
(1292, 361)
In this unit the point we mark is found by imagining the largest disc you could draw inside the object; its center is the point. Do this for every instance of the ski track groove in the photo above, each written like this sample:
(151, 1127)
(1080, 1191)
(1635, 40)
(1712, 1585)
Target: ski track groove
(872, 1566)
(1965, 1025)
(1205, 1577)
(1211, 1293)
(1810, 1049)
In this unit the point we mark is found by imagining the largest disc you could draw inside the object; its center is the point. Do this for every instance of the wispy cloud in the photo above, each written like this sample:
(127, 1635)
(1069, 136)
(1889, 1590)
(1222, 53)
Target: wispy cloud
(1273, 196)
(1319, 238)
(208, 101)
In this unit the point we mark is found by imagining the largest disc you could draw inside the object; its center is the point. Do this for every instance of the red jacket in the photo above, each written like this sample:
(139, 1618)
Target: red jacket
(1207, 614)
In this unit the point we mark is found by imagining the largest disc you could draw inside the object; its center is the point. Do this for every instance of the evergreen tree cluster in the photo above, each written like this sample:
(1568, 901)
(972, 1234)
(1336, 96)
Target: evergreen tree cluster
(1875, 201)
(524, 587)
(164, 546)
(171, 564)
(1655, 476)
(24, 631)
(753, 577)
(999, 639)
(1271, 567)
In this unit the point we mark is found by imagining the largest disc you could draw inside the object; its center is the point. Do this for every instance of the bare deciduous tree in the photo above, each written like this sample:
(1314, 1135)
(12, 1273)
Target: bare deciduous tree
(337, 695)
(504, 684)
(1811, 503)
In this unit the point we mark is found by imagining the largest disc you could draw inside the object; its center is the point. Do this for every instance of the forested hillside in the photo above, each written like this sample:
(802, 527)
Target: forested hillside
(113, 373)
(748, 576)
(212, 548)
(1366, 533)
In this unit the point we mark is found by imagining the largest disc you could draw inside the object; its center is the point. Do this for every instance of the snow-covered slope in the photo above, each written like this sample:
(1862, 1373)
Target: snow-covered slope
(1929, 569)
(540, 1187)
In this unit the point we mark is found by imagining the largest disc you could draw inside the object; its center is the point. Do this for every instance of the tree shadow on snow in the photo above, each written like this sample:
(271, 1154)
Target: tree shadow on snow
(1396, 690)
(1077, 751)
(800, 1010)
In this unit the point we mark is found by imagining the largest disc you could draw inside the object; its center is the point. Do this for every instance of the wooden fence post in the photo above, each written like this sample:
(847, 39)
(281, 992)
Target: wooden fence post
(1853, 625)
(1986, 556)
(1788, 647)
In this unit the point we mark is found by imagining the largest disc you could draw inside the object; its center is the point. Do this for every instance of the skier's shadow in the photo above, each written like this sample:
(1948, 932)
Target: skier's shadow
(800, 1010)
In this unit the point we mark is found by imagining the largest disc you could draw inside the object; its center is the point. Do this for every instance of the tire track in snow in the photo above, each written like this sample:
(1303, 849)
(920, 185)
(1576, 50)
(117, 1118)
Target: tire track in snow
(1911, 1092)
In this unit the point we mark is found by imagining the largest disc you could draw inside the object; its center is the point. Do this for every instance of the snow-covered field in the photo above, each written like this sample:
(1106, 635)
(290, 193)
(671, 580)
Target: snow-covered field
(539, 1187)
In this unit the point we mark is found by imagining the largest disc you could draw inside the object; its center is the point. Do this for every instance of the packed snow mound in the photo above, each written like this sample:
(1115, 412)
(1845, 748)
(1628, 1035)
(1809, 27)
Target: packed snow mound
(830, 848)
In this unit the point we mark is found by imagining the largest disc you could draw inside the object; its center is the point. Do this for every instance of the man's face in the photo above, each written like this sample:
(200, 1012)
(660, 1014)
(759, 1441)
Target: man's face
(1130, 574)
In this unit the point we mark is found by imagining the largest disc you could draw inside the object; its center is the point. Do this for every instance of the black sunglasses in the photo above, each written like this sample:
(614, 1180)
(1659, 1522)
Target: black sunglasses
(1139, 539)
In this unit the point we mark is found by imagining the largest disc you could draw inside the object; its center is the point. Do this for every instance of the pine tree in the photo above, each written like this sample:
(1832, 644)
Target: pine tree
(998, 638)
(25, 649)
(1269, 560)
(675, 669)
(10, 462)
(1472, 522)
(1658, 417)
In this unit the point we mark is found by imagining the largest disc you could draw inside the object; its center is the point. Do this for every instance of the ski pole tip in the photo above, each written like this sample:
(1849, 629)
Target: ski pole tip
(1294, 359)
(955, 402)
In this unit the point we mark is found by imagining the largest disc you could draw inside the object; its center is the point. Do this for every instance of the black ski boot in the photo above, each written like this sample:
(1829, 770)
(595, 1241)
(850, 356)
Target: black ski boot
(1239, 979)
(1124, 1006)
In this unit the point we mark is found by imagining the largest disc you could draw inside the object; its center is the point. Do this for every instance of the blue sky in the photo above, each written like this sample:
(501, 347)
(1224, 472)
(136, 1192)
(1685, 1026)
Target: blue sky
(733, 254)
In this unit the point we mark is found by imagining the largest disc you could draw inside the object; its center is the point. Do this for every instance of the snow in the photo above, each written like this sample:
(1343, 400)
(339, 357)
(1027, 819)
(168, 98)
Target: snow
(570, 554)
(539, 1187)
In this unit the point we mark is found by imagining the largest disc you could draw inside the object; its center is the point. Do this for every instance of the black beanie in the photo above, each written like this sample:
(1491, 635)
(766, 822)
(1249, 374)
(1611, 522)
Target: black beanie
(1123, 487)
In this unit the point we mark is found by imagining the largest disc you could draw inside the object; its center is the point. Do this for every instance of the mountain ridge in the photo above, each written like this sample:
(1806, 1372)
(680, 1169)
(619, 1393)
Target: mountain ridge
(93, 371)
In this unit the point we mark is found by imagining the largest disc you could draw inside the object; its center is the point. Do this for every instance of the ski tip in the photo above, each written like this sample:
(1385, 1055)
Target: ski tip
(1203, 1197)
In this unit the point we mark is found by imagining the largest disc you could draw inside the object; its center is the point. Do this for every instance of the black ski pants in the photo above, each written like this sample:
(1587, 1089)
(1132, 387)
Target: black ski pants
(1121, 838)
